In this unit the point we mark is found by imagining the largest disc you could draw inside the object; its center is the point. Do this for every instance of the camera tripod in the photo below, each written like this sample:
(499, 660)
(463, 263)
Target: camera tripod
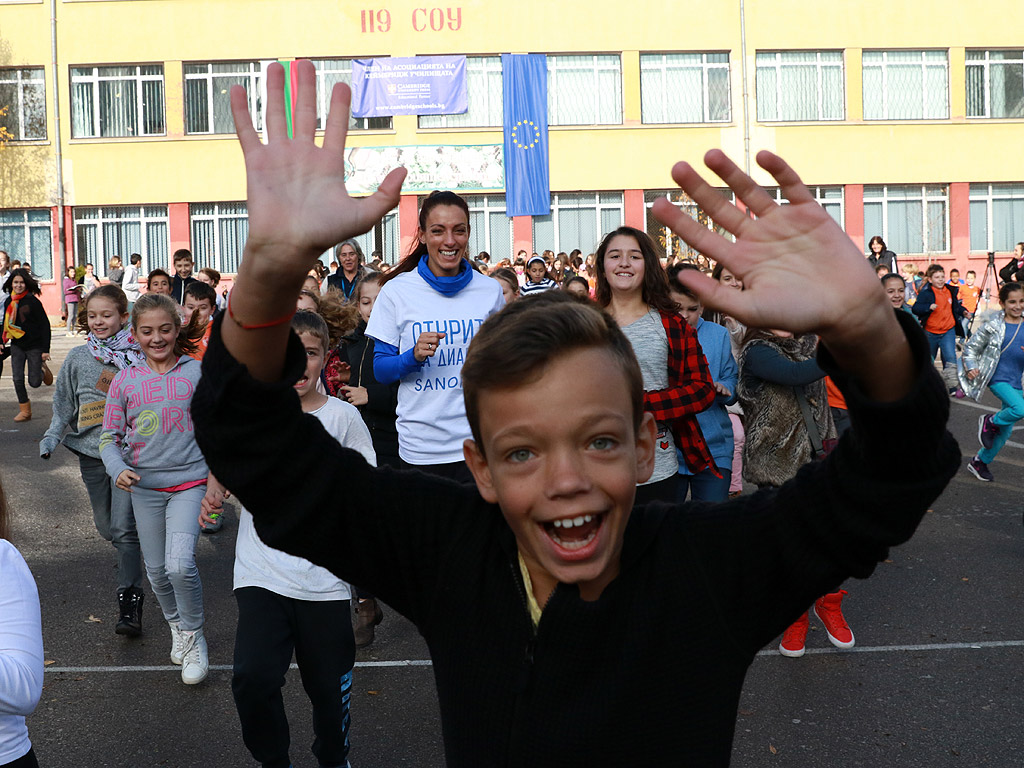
(986, 289)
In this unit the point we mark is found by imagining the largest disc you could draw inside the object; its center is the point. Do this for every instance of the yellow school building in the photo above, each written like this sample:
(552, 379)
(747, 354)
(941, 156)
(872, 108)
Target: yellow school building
(906, 119)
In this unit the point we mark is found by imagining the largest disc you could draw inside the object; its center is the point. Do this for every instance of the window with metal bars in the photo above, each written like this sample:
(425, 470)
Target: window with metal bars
(800, 86)
(121, 231)
(995, 83)
(484, 91)
(996, 216)
(905, 85)
(585, 89)
(684, 88)
(577, 220)
(329, 72)
(219, 231)
(117, 101)
(208, 94)
(26, 236)
(674, 246)
(911, 218)
(23, 93)
(830, 198)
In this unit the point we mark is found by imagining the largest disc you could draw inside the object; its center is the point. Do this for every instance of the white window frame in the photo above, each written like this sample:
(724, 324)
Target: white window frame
(15, 76)
(217, 258)
(486, 205)
(925, 65)
(819, 65)
(986, 194)
(986, 64)
(562, 201)
(607, 62)
(819, 193)
(252, 74)
(659, 62)
(476, 66)
(925, 198)
(343, 67)
(36, 260)
(95, 79)
(147, 214)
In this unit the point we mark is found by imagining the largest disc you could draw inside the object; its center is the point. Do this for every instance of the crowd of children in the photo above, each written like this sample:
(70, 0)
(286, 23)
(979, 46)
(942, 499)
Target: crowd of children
(513, 426)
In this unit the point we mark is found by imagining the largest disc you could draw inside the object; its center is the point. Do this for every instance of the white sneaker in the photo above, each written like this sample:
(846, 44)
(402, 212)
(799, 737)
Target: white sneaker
(195, 661)
(177, 644)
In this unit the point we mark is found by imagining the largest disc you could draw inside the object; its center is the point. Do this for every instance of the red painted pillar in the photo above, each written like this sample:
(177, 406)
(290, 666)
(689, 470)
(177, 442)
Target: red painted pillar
(179, 229)
(853, 200)
(69, 235)
(408, 223)
(959, 222)
(633, 209)
(522, 235)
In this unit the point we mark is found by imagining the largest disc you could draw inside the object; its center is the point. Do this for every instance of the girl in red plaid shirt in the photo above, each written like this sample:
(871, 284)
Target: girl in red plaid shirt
(633, 288)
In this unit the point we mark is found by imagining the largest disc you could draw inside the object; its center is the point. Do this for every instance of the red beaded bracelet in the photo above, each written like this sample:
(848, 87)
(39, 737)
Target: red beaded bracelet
(258, 326)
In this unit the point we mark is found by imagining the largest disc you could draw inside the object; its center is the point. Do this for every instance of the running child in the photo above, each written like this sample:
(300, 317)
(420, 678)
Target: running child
(27, 329)
(994, 357)
(286, 604)
(79, 402)
(895, 289)
(939, 309)
(149, 449)
(566, 627)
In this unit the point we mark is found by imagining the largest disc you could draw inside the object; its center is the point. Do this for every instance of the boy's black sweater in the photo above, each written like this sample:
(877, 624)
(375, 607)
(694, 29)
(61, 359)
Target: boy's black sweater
(649, 674)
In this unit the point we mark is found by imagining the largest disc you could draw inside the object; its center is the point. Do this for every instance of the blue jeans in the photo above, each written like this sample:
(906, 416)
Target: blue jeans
(115, 522)
(946, 344)
(704, 486)
(168, 525)
(1012, 412)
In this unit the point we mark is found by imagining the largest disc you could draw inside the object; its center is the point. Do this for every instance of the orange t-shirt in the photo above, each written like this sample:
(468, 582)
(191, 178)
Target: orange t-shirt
(203, 343)
(941, 318)
(835, 397)
(969, 295)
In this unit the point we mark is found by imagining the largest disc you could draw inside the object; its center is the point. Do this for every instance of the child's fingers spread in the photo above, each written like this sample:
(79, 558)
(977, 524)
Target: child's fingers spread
(691, 231)
(274, 120)
(792, 187)
(711, 201)
(336, 124)
(247, 135)
(304, 121)
(755, 198)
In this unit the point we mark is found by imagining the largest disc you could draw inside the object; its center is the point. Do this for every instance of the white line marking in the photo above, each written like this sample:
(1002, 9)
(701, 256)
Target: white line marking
(428, 662)
(971, 404)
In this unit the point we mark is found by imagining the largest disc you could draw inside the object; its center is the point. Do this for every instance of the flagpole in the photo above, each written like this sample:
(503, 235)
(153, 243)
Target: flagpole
(746, 92)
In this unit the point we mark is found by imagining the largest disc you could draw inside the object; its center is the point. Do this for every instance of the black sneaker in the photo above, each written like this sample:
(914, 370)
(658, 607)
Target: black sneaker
(980, 470)
(129, 603)
(987, 431)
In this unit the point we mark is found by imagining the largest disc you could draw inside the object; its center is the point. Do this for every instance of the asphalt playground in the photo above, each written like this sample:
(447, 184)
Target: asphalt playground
(935, 680)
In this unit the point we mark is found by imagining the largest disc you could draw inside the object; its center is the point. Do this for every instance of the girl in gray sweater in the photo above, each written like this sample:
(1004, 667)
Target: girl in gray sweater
(78, 403)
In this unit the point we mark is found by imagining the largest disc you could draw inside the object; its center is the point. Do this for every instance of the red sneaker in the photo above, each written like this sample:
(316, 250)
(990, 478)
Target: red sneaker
(794, 637)
(829, 611)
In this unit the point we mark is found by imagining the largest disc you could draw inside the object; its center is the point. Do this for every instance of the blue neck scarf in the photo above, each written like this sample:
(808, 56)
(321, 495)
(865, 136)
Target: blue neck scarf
(444, 284)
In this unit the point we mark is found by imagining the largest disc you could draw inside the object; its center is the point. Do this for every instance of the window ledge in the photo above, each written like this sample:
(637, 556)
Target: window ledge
(463, 129)
(118, 139)
(28, 143)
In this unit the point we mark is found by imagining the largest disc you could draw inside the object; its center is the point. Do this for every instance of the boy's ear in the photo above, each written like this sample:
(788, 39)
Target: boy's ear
(646, 436)
(477, 463)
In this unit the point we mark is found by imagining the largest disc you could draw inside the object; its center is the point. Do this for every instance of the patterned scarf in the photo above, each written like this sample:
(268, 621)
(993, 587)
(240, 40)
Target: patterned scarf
(121, 349)
(11, 328)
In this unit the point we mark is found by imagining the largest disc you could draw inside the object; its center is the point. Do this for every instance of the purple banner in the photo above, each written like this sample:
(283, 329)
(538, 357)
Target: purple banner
(416, 85)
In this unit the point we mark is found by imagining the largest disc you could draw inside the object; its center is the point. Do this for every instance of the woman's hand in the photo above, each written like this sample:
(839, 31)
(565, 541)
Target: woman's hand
(355, 395)
(780, 255)
(126, 480)
(426, 345)
(45, 357)
(973, 374)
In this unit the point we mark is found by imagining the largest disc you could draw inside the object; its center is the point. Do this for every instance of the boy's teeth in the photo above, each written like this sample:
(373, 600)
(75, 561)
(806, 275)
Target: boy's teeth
(570, 522)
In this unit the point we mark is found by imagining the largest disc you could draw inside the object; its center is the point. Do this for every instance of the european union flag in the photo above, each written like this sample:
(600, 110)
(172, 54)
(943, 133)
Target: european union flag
(524, 79)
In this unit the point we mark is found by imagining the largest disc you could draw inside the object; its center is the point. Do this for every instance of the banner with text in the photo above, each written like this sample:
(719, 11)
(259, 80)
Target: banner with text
(472, 168)
(414, 85)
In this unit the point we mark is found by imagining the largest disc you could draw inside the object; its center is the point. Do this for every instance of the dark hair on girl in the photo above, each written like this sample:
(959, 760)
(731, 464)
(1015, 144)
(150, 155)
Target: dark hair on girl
(374, 278)
(31, 286)
(655, 291)
(111, 292)
(1007, 289)
(508, 276)
(188, 336)
(576, 279)
(434, 199)
(893, 276)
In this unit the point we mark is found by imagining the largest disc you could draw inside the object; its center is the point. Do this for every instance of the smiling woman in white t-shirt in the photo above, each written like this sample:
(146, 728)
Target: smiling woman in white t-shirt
(428, 310)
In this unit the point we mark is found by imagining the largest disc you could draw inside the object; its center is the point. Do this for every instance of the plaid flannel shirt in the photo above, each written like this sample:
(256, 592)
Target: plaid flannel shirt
(690, 391)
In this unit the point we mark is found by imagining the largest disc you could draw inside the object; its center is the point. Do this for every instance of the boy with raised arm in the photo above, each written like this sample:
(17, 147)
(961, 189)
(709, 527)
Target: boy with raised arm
(567, 628)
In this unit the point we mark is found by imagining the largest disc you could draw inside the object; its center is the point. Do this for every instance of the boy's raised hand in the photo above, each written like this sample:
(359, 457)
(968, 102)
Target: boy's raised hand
(800, 271)
(297, 201)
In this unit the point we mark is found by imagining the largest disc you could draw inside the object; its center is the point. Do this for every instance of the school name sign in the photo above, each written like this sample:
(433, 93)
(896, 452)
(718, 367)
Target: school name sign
(413, 85)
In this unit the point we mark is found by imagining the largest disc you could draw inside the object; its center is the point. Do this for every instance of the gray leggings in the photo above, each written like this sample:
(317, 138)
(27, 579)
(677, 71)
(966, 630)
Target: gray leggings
(112, 513)
(35, 370)
(168, 525)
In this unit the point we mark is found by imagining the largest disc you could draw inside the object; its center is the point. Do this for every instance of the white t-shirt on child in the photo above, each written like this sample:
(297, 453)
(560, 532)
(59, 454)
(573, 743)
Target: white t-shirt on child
(432, 421)
(257, 565)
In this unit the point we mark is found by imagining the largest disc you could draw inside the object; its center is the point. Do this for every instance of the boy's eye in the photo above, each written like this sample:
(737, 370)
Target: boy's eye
(519, 455)
(603, 443)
